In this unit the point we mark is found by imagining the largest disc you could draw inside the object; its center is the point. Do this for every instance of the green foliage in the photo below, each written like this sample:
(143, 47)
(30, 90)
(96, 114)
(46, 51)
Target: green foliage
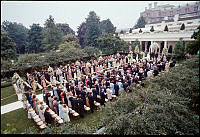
(167, 105)
(7, 84)
(18, 33)
(69, 45)
(92, 51)
(52, 57)
(192, 47)
(140, 23)
(134, 44)
(8, 47)
(64, 27)
(179, 50)
(182, 27)
(35, 39)
(166, 28)
(82, 34)
(110, 44)
(52, 35)
(93, 30)
(69, 38)
(107, 26)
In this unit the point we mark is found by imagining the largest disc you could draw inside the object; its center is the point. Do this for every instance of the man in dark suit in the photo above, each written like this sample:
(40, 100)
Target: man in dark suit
(80, 106)
(103, 96)
(116, 87)
(94, 91)
(91, 101)
(48, 118)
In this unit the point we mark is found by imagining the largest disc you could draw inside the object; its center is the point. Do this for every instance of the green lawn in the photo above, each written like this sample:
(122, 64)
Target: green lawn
(17, 119)
(7, 92)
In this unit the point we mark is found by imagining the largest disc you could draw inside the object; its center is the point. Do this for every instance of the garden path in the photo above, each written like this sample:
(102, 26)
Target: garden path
(15, 105)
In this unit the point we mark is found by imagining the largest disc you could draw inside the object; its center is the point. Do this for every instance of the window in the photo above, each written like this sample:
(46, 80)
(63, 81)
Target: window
(171, 13)
(195, 8)
(169, 24)
(186, 10)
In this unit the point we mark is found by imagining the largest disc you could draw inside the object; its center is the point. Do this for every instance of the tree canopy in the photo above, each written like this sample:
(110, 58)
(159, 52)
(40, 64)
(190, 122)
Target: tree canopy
(93, 30)
(64, 27)
(8, 47)
(82, 34)
(179, 49)
(140, 23)
(35, 38)
(107, 26)
(18, 33)
(110, 44)
(52, 35)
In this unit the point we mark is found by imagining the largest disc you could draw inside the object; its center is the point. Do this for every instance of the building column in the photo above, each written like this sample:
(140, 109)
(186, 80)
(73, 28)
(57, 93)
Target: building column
(165, 44)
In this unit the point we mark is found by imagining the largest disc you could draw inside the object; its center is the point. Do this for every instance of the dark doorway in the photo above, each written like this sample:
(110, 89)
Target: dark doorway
(170, 49)
(161, 46)
(148, 45)
(143, 46)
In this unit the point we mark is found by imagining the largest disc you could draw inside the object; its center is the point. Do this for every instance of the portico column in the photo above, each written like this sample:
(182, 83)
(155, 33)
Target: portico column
(165, 44)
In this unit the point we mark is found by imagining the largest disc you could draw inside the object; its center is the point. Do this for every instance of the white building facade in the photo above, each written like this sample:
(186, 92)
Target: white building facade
(163, 38)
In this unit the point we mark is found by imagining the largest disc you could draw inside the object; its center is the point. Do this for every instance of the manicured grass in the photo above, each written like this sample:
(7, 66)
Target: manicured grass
(17, 119)
(90, 120)
(7, 92)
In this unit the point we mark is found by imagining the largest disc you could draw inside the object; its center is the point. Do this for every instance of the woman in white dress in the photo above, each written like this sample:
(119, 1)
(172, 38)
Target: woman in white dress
(60, 109)
(65, 111)
(69, 102)
(109, 93)
(41, 113)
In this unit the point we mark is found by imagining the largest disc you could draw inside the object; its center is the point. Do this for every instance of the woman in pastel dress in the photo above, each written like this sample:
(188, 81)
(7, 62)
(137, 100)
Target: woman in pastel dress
(65, 112)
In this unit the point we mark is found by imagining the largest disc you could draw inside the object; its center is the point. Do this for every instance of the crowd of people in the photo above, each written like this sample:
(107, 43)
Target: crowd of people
(83, 83)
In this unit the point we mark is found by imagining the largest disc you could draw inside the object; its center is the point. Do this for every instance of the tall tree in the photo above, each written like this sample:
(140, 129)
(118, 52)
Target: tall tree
(179, 49)
(18, 33)
(93, 30)
(107, 26)
(192, 47)
(110, 44)
(52, 35)
(82, 34)
(35, 39)
(8, 47)
(140, 23)
(69, 38)
(64, 27)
